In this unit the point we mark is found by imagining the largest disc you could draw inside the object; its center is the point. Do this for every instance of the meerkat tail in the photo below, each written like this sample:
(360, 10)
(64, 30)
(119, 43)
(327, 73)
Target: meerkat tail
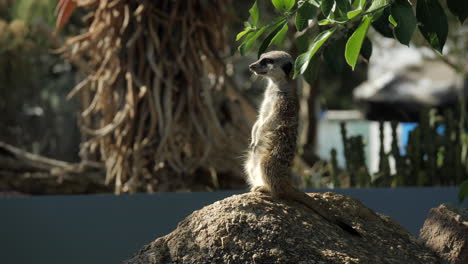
(308, 201)
(347, 228)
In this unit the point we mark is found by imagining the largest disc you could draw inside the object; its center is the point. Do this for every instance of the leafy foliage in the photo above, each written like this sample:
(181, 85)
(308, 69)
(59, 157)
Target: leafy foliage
(302, 62)
(432, 23)
(459, 8)
(283, 5)
(354, 44)
(276, 35)
(403, 16)
(306, 12)
(254, 14)
(350, 20)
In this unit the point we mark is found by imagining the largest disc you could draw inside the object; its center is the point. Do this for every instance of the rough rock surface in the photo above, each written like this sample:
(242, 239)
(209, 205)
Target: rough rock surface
(446, 232)
(254, 228)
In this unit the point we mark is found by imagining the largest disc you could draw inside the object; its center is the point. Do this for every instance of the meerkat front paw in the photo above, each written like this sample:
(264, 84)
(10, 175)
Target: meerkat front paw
(260, 189)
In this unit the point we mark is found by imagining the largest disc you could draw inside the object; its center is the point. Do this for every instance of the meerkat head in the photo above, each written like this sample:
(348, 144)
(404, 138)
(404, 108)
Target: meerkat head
(275, 65)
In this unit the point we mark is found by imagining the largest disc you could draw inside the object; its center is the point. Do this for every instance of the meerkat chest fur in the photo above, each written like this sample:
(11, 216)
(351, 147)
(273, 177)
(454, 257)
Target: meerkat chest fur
(278, 117)
(274, 136)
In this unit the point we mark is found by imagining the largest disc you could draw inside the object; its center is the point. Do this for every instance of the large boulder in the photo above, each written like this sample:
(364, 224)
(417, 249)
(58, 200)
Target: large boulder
(254, 228)
(446, 232)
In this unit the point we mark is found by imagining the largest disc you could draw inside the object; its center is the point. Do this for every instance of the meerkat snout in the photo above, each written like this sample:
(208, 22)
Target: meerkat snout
(255, 68)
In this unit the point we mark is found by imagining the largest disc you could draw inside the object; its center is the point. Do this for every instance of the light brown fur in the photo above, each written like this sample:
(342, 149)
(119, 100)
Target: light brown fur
(274, 135)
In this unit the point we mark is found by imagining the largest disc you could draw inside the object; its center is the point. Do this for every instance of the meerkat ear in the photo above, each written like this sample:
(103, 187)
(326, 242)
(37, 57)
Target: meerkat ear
(287, 68)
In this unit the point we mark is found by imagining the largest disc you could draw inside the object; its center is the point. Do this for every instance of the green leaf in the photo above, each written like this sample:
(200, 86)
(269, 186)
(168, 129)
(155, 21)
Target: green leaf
(432, 22)
(278, 38)
(459, 8)
(329, 21)
(327, 6)
(392, 21)
(302, 42)
(325, 21)
(314, 2)
(352, 14)
(283, 5)
(304, 13)
(354, 44)
(362, 4)
(276, 28)
(358, 7)
(366, 50)
(355, 4)
(343, 5)
(311, 73)
(334, 55)
(250, 40)
(463, 191)
(358, 4)
(245, 45)
(377, 14)
(254, 14)
(302, 61)
(243, 33)
(377, 4)
(403, 16)
(382, 25)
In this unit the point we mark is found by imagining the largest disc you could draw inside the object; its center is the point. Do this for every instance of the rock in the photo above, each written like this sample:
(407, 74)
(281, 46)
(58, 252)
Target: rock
(255, 228)
(446, 232)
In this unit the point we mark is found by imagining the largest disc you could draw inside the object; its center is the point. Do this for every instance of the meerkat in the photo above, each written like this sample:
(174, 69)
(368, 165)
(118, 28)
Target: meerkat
(274, 135)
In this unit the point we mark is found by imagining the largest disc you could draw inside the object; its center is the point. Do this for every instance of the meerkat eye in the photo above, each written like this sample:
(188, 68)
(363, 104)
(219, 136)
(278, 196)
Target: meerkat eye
(266, 61)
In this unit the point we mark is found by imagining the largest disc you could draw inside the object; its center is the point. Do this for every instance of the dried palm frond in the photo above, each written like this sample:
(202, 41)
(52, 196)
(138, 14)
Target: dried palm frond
(152, 95)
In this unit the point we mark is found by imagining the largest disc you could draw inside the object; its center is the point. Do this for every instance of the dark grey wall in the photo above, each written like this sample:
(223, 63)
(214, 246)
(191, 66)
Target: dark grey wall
(108, 229)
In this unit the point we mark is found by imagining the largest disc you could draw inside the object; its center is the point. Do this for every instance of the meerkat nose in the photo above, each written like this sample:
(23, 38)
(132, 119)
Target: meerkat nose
(252, 68)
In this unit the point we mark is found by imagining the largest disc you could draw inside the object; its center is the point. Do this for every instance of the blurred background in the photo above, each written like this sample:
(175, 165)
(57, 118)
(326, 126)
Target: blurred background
(154, 97)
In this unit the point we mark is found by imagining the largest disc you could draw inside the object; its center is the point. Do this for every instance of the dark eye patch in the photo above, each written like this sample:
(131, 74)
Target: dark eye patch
(266, 61)
(287, 68)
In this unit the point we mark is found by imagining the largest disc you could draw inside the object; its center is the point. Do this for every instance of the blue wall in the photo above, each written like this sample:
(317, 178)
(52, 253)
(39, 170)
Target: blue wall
(108, 229)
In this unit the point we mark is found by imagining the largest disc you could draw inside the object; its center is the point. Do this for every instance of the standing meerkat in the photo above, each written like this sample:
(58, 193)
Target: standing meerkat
(274, 136)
